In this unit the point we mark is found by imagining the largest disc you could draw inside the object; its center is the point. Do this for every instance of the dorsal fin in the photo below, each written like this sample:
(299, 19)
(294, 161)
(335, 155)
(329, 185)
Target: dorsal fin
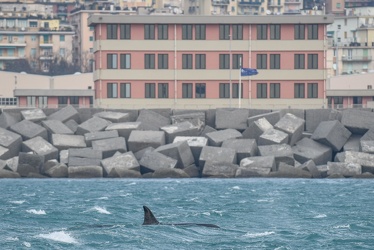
(149, 218)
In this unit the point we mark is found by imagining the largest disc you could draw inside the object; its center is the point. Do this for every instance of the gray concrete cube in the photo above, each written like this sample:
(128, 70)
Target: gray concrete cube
(110, 146)
(29, 130)
(124, 128)
(143, 139)
(72, 125)
(364, 159)
(179, 151)
(153, 161)
(231, 118)
(126, 161)
(218, 137)
(272, 136)
(261, 165)
(257, 128)
(244, 147)
(332, 134)
(272, 117)
(291, 125)
(40, 146)
(308, 149)
(180, 129)
(62, 142)
(217, 154)
(7, 119)
(219, 169)
(99, 135)
(357, 121)
(56, 127)
(313, 117)
(85, 172)
(65, 114)
(151, 120)
(93, 124)
(281, 152)
(342, 168)
(11, 142)
(114, 117)
(196, 118)
(33, 115)
(196, 144)
(353, 143)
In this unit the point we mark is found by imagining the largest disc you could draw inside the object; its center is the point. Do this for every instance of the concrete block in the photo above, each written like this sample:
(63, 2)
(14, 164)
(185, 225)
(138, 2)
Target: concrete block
(8, 174)
(65, 114)
(207, 129)
(62, 142)
(110, 146)
(281, 152)
(195, 118)
(179, 151)
(99, 135)
(332, 134)
(291, 125)
(11, 141)
(357, 121)
(113, 117)
(7, 120)
(85, 153)
(72, 125)
(121, 162)
(93, 124)
(58, 171)
(33, 115)
(217, 154)
(353, 143)
(364, 159)
(153, 161)
(231, 118)
(74, 161)
(56, 127)
(143, 139)
(4, 153)
(3, 164)
(288, 171)
(342, 168)
(272, 117)
(64, 156)
(29, 130)
(180, 129)
(85, 172)
(192, 171)
(300, 113)
(244, 173)
(312, 168)
(218, 137)
(272, 136)
(132, 113)
(169, 173)
(308, 149)
(210, 118)
(28, 163)
(257, 128)
(255, 112)
(219, 169)
(12, 163)
(261, 165)
(313, 117)
(196, 144)
(40, 146)
(139, 154)
(151, 120)
(244, 147)
(367, 142)
(123, 173)
(124, 128)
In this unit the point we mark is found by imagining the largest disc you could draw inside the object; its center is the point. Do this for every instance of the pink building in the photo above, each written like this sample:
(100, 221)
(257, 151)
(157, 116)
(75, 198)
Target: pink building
(194, 61)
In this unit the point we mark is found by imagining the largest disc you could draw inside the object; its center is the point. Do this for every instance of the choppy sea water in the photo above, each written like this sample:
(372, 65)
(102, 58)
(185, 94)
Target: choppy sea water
(252, 214)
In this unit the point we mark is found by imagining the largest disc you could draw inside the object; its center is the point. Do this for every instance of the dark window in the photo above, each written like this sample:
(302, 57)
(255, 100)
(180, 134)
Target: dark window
(186, 31)
(186, 61)
(357, 100)
(224, 61)
(150, 90)
(275, 33)
(262, 90)
(62, 100)
(149, 31)
(274, 90)
(163, 90)
(224, 32)
(112, 61)
(200, 61)
(224, 90)
(299, 90)
(312, 31)
(299, 31)
(125, 90)
(149, 61)
(162, 30)
(261, 61)
(74, 100)
(112, 91)
(163, 62)
(237, 60)
(312, 61)
(274, 61)
(200, 90)
(262, 31)
(125, 61)
(200, 32)
(235, 90)
(111, 32)
(312, 90)
(299, 61)
(186, 90)
(125, 31)
(237, 32)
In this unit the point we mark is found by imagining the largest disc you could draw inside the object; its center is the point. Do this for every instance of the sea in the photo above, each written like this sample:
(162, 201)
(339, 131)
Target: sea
(255, 213)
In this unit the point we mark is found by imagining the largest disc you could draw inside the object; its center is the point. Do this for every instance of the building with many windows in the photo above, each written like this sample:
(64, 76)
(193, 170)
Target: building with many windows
(194, 61)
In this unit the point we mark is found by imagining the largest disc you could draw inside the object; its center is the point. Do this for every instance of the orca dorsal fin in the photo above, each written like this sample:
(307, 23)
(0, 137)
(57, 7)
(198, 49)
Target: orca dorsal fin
(149, 218)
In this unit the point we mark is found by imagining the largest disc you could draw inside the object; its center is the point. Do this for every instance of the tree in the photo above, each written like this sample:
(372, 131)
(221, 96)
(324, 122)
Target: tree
(18, 65)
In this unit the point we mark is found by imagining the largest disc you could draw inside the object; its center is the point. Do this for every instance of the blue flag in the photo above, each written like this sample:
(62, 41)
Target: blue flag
(248, 72)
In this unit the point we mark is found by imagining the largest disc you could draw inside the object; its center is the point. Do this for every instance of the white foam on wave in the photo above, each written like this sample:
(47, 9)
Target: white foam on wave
(265, 200)
(258, 235)
(38, 212)
(206, 213)
(60, 236)
(103, 198)
(236, 187)
(319, 216)
(17, 202)
(342, 226)
(101, 210)
(11, 239)
(27, 244)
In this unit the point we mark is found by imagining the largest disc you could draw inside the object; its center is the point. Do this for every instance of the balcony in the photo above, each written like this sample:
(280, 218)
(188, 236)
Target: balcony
(46, 56)
(220, 2)
(274, 3)
(296, 2)
(356, 58)
(46, 43)
(250, 2)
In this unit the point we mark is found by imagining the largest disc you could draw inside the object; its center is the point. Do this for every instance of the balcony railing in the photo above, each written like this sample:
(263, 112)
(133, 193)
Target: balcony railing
(292, 2)
(274, 4)
(220, 2)
(356, 58)
(250, 2)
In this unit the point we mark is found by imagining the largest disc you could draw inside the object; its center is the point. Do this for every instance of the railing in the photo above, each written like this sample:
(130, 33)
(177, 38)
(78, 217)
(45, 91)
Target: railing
(356, 58)
(292, 2)
(250, 2)
(220, 2)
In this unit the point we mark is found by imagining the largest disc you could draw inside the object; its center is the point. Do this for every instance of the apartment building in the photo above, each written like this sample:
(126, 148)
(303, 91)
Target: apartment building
(194, 61)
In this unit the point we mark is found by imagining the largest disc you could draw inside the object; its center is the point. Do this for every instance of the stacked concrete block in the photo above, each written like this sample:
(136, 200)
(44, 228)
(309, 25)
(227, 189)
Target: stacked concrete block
(300, 113)
(85, 172)
(10, 143)
(367, 142)
(29, 163)
(261, 165)
(72, 125)
(40, 146)
(29, 130)
(312, 168)
(151, 120)
(216, 154)
(124, 128)
(257, 128)
(313, 117)
(99, 135)
(62, 142)
(332, 134)
(218, 137)
(364, 159)
(288, 171)
(244, 147)
(207, 129)
(12, 163)
(196, 144)
(344, 169)
(124, 173)
(231, 118)
(210, 117)
(120, 163)
(272, 117)
(169, 173)
(143, 139)
(272, 136)
(281, 152)
(93, 124)
(196, 118)
(110, 146)
(84, 157)
(132, 113)
(33, 115)
(353, 143)
(153, 161)
(219, 169)
(308, 149)
(291, 125)
(59, 170)
(65, 114)
(179, 129)
(8, 174)
(179, 151)
(114, 117)
(139, 154)
(56, 127)
(7, 120)
(357, 121)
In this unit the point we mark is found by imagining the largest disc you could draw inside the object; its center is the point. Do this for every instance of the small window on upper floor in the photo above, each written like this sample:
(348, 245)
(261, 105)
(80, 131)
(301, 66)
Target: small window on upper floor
(339, 26)
(62, 38)
(338, 5)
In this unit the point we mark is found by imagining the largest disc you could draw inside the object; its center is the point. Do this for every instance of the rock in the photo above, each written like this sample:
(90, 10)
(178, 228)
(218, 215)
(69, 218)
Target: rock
(281, 152)
(170, 173)
(357, 121)
(65, 114)
(219, 169)
(272, 136)
(29, 130)
(113, 117)
(180, 129)
(256, 128)
(332, 134)
(196, 144)
(85, 172)
(8, 174)
(291, 125)
(62, 142)
(216, 154)
(124, 128)
(288, 171)
(179, 151)
(218, 137)
(151, 120)
(41, 147)
(110, 146)
(153, 161)
(120, 163)
(231, 118)
(261, 165)
(307, 149)
(99, 135)
(143, 139)
(12, 142)
(344, 169)
(93, 124)
(244, 147)
(33, 115)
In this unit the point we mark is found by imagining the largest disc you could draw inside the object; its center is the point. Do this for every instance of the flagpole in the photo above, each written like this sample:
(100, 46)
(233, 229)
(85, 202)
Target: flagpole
(240, 82)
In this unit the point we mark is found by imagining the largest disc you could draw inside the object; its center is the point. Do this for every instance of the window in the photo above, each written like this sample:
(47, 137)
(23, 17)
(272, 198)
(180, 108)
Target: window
(186, 31)
(150, 90)
(162, 30)
(149, 61)
(312, 90)
(261, 61)
(43, 101)
(125, 90)
(62, 52)
(274, 61)
(224, 61)
(112, 90)
(186, 61)
(237, 32)
(149, 31)
(111, 32)
(275, 32)
(112, 61)
(299, 61)
(262, 90)
(62, 38)
(31, 101)
(339, 26)
(125, 31)
(357, 100)
(312, 61)
(163, 90)
(224, 90)
(237, 61)
(33, 52)
(262, 32)
(235, 90)
(200, 60)
(73, 100)
(62, 100)
(200, 90)
(163, 61)
(299, 31)
(33, 37)
(338, 5)
(186, 90)
(274, 90)
(224, 32)
(312, 31)
(125, 61)
(91, 38)
(200, 32)
(299, 90)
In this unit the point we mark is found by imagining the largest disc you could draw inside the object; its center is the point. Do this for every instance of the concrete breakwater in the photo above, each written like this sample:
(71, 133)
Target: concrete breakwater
(166, 143)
